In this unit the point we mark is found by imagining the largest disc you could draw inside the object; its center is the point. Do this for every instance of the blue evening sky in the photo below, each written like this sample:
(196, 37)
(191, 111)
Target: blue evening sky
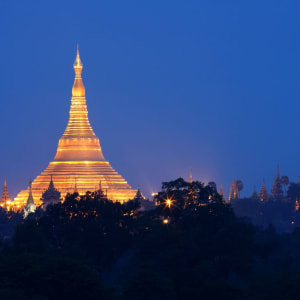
(170, 85)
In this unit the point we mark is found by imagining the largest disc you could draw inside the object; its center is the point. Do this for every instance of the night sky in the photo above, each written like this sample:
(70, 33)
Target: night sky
(170, 85)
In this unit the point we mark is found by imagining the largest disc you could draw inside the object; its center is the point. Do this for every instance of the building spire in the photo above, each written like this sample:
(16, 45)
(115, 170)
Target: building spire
(30, 199)
(263, 194)
(222, 192)
(191, 176)
(5, 196)
(78, 89)
(79, 142)
(78, 64)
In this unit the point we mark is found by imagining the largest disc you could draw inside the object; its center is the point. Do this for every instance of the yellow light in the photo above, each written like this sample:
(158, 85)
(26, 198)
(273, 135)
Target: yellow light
(169, 202)
(165, 221)
(154, 194)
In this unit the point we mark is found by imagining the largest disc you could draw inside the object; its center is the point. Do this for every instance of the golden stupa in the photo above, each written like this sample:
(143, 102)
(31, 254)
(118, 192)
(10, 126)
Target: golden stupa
(79, 157)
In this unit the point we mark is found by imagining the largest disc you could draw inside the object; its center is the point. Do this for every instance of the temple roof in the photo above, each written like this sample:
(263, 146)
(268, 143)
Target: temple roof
(51, 193)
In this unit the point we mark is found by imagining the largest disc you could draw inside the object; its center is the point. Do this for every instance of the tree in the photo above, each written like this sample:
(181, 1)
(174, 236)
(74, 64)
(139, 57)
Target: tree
(239, 185)
(285, 182)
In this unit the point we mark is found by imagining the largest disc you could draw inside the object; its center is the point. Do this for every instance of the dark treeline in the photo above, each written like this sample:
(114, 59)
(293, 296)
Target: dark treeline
(191, 246)
(282, 213)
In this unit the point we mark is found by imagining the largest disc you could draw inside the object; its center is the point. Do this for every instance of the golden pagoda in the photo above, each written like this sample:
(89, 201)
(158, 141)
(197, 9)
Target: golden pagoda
(79, 157)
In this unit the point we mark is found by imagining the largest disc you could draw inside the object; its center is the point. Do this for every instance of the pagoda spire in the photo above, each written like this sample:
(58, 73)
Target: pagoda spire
(30, 206)
(79, 142)
(30, 199)
(191, 177)
(254, 195)
(277, 192)
(222, 192)
(263, 194)
(78, 87)
(5, 196)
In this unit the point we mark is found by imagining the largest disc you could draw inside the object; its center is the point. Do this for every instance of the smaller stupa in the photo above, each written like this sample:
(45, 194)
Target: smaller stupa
(222, 192)
(263, 194)
(100, 193)
(30, 206)
(51, 195)
(234, 192)
(277, 192)
(5, 199)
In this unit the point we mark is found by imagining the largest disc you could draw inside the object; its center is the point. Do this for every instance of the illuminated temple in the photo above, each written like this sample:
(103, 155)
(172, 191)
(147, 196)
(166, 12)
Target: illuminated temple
(79, 158)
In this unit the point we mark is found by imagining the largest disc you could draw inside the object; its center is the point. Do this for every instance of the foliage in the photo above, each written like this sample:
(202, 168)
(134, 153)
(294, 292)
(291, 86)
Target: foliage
(204, 251)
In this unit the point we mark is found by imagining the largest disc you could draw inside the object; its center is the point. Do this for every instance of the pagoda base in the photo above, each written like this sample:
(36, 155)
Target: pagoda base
(86, 174)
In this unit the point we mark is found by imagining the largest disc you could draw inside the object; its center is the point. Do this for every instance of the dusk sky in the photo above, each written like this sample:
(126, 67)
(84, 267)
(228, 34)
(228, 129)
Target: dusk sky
(170, 85)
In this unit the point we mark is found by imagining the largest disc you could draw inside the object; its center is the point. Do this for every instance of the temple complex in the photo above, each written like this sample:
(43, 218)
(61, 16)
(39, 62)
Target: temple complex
(79, 157)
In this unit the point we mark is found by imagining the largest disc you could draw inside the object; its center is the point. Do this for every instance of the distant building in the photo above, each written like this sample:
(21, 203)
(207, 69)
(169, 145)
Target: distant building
(30, 206)
(191, 177)
(5, 199)
(100, 192)
(277, 191)
(146, 204)
(263, 194)
(234, 192)
(254, 195)
(221, 192)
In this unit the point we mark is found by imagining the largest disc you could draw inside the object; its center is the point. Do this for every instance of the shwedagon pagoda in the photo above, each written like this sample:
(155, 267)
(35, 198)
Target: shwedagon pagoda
(79, 163)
